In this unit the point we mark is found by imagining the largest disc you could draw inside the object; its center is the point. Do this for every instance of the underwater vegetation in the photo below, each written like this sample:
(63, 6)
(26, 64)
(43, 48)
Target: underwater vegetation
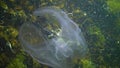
(114, 6)
(99, 21)
(17, 62)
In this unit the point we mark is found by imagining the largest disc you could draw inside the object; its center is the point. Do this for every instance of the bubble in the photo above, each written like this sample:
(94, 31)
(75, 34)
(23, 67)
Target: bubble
(53, 39)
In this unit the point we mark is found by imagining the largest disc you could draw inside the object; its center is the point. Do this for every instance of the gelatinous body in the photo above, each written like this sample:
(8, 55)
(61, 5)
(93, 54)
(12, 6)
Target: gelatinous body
(53, 39)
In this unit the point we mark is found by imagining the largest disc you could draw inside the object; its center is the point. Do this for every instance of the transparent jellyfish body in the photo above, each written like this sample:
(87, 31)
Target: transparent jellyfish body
(53, 39)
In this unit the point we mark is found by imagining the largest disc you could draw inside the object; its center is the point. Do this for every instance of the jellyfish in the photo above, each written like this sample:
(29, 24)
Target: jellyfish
(53, 38)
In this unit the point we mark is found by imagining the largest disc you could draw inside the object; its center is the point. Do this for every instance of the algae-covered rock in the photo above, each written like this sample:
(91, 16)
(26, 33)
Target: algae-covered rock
(17, 62)
(87, 63)
(114, 6)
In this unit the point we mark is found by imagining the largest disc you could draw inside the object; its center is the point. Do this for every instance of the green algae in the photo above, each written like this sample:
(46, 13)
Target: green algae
(114, 6)
(17, 62)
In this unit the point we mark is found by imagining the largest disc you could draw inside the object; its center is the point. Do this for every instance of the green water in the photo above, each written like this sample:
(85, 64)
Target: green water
(99, 21)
